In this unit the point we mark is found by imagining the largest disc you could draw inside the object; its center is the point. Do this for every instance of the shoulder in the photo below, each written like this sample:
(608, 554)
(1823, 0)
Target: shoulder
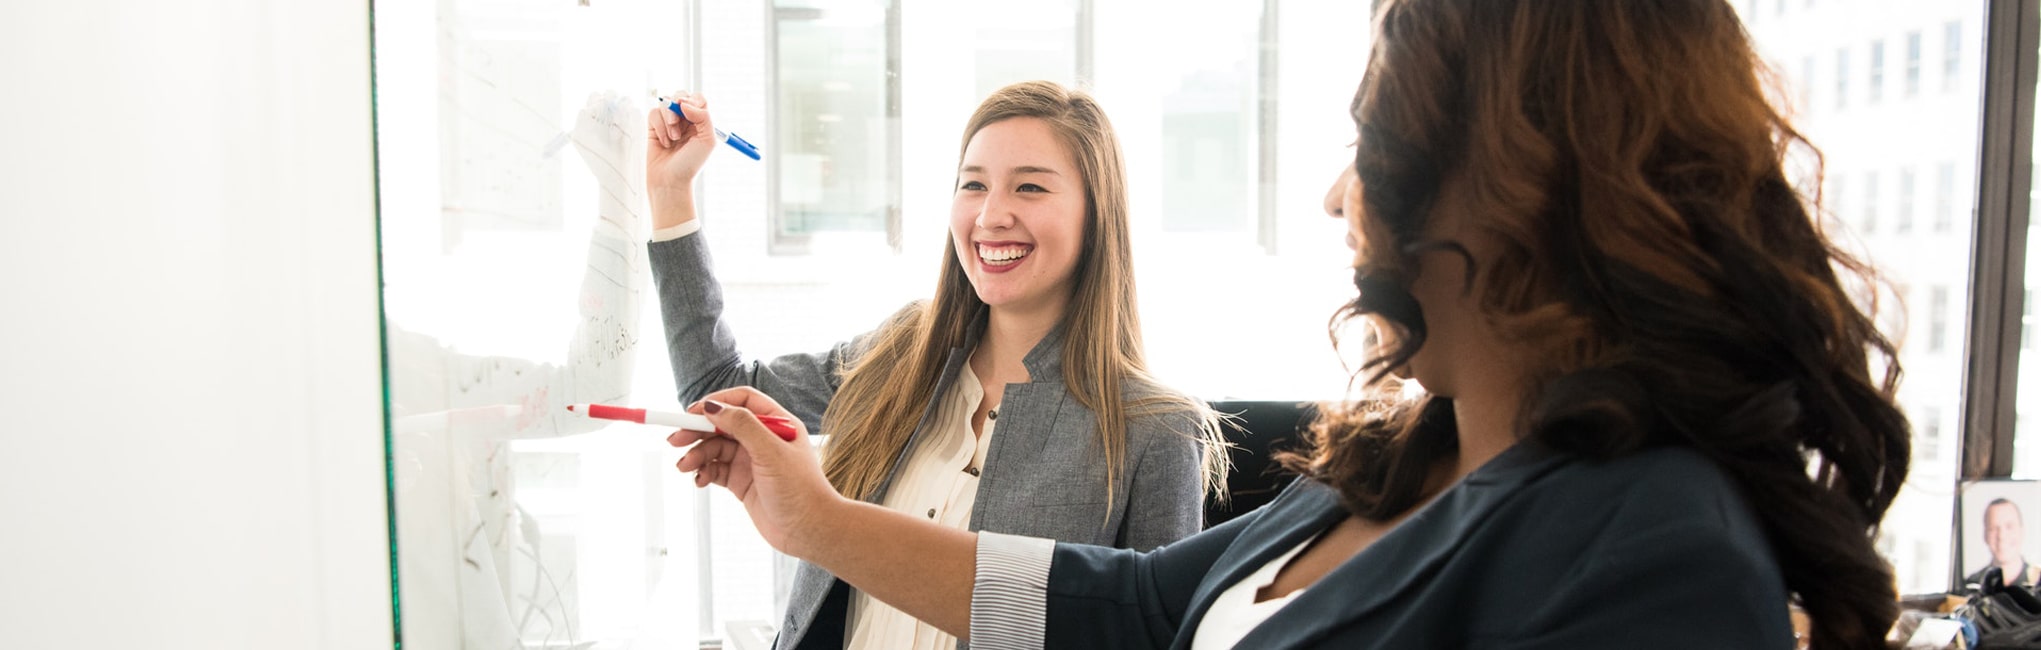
(1157, 411)
(1148, 399)
(1655, 494)
(905, 319)
(1666, 484)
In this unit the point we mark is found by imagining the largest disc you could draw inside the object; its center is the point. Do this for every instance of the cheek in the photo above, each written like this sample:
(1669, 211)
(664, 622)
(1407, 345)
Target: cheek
(963, 215)
(1069, 230)
(962, 223)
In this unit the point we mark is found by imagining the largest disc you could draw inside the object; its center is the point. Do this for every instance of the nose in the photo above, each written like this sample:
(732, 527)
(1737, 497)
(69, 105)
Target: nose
(993, 214)
(1335, 197)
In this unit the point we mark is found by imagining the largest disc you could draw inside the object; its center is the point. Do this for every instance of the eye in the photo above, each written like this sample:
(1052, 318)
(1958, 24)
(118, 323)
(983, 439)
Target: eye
(1031, 187)
(972, 186)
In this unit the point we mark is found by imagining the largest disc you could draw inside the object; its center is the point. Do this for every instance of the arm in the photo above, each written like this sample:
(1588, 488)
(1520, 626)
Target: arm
(1165, 491)
(935, 573)
(699, 343)
(703, 350)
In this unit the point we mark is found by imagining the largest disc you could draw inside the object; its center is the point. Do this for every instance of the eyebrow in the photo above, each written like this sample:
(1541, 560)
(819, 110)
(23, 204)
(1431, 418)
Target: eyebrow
(1023, 169)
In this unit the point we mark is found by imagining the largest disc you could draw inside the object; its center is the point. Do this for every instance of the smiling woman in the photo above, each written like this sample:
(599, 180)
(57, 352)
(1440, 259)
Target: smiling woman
(1033, 331)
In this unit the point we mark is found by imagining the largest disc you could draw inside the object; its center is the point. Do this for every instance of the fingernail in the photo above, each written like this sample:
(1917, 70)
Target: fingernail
(712, 406)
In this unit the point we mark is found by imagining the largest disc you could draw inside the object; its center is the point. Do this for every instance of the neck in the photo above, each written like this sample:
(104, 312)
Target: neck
(1487, 421)
(1010, 333)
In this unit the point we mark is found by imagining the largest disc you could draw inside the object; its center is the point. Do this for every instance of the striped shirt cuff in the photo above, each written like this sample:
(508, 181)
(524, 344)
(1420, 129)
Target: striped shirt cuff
(671, 233)
(1010, 592)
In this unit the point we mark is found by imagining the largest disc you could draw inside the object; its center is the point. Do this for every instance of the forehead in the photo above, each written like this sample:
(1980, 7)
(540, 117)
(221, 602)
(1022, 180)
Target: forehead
(2000, 510)
(1017, 142)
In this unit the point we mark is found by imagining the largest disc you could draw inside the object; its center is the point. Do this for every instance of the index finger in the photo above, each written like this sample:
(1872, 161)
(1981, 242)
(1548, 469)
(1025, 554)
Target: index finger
(748, 398)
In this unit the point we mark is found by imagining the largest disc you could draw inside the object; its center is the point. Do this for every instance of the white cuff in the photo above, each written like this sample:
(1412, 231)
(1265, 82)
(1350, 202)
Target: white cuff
(671, 233)
(1010, 592)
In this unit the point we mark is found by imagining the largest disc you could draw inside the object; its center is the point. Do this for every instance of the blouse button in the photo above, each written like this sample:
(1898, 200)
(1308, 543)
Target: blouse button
(931, 513)
(971, 470)
(992, 414)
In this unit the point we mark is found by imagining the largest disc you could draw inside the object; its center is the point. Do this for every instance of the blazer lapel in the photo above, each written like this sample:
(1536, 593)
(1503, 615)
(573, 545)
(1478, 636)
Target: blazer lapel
(951, 367)
(1402, 559)
(1292, 518)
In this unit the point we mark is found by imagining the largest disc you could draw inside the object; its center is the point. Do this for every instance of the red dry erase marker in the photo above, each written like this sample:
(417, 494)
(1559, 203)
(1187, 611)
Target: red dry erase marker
(777, 424)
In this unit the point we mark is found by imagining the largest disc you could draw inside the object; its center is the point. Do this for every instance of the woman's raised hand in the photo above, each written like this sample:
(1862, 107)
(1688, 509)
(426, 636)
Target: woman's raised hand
(675, 149)
(780, 482)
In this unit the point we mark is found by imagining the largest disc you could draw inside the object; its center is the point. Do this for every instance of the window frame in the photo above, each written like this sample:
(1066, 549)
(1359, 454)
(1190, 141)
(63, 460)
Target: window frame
(2012, 47)
(1876, 85)
(1913, 64)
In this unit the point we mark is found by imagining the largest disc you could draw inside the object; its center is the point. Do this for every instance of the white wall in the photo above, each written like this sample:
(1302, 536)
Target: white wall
(189, 352)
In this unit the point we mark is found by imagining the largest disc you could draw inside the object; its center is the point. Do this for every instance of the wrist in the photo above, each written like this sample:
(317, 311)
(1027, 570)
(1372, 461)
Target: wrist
(819, 531)
(672, 207)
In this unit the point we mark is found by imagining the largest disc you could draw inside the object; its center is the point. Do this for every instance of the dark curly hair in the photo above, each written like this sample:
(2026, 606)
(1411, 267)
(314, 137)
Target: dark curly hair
(1674, 286)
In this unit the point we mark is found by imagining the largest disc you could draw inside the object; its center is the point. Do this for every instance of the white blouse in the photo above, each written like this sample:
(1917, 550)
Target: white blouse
(1234, 613)
(939, 482)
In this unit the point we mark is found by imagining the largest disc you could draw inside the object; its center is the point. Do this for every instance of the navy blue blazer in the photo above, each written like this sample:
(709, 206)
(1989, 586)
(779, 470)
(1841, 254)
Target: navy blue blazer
(1533, 550)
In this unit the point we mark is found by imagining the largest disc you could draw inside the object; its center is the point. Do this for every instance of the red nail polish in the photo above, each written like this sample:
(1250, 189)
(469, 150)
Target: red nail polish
(712, 407)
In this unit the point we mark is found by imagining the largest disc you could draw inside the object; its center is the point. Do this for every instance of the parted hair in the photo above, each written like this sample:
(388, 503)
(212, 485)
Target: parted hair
(1104, 368)
(1674, 288)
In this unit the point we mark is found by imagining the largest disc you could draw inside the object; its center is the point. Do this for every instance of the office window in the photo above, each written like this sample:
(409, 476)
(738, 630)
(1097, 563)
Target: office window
(1938, 318)
(1913, 63)
(1842, 77)
(1876, 88)
(1807, 82)
(1902, 221)
(1837, 198)
(834, 157)
(1952, 55)
(1928, 443)
(1027, 41)
(1916, 530)
(1945, 196)
(1211, 111)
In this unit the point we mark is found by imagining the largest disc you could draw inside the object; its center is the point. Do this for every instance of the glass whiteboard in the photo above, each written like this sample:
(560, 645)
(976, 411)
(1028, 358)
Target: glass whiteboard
(509, 140)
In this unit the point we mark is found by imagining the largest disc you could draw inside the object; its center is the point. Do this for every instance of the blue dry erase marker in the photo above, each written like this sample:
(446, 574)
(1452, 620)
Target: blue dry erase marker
(740, 144)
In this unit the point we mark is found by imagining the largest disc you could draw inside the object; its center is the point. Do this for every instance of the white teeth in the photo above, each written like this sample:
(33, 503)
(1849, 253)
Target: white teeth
(1004, 254)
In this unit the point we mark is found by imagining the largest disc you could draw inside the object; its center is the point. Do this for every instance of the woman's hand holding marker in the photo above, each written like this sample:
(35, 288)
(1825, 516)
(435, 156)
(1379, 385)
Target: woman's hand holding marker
(779, 481)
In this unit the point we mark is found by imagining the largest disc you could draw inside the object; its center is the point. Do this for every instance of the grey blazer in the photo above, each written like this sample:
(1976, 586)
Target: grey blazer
(1043, 475)
(1533, 550)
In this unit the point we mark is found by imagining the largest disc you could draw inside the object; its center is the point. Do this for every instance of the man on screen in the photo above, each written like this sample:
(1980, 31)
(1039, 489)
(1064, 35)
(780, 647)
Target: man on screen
(2004, 534)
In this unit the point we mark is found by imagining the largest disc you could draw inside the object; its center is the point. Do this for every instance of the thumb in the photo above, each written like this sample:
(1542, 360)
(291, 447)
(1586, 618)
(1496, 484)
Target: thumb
(692, 114)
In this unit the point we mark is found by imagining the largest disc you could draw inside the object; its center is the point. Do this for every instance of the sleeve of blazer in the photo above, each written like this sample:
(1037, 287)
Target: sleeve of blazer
(1118, 598)
(1165, 491)
(704, 352)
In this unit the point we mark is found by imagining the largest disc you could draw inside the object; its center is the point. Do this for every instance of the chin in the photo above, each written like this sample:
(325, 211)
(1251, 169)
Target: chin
(1430, 382)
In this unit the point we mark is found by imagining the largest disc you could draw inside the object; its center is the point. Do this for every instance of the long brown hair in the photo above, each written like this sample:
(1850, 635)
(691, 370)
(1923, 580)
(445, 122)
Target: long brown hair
(879, 405)
(1654, 254)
